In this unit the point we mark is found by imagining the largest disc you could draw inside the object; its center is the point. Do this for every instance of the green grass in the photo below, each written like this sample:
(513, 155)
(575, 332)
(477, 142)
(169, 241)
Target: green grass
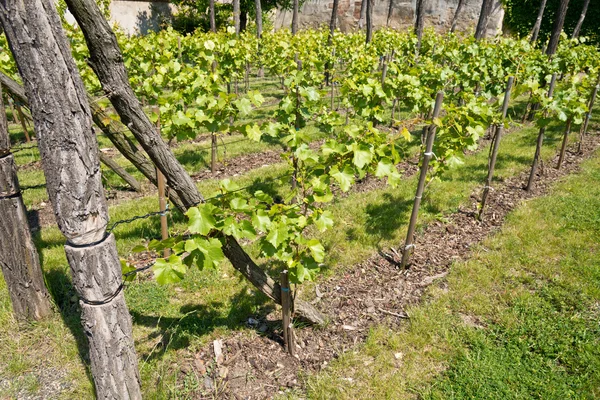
(518, 320)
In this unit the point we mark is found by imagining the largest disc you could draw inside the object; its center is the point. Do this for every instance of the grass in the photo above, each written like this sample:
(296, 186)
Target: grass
(172, 322)
(518, 320)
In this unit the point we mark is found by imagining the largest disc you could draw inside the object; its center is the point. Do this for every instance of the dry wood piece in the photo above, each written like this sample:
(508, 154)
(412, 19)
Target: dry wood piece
(421, 185)
(286, 310)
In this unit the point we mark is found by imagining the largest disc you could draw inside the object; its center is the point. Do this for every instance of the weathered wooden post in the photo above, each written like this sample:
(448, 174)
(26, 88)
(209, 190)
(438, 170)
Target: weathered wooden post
(586, 121)
(162, 199)
(495, 146)
(540, 140)
(563, 147)
(286, 308)
(421, 185)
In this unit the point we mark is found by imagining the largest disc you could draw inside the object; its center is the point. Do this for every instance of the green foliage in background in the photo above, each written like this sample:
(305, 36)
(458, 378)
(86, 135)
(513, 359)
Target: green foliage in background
(521, 14)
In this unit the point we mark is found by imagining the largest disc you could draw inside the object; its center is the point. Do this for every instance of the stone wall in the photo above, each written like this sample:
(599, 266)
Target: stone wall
(438, 13)
(135, 17)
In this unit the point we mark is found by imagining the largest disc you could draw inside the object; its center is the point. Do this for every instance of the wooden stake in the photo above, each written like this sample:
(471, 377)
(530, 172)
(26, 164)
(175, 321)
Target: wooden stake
(213, 153)
(422, 177)
(586, 122)
(540, 140)
(23, 126)
(162, 203)
(162, 200)
(286, 308)
(496, 145)
(563, 148)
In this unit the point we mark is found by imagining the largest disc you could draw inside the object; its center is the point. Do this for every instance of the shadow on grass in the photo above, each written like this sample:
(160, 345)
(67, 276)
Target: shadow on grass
(65, 298)
(201, 319)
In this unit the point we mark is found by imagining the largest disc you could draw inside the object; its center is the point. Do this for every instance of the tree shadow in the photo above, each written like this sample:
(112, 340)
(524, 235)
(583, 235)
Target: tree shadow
(65, 298)
(384, 218)
(160, 15)
(200, 320)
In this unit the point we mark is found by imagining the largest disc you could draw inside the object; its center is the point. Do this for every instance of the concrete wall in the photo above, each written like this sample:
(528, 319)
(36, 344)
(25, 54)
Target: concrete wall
(438, 13)
(136, 17)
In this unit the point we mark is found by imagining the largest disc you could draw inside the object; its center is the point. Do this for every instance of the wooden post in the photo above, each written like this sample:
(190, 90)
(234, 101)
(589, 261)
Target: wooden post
(496, 145)
(23, 125)
(540, 140)
(213, 153)
(563, 148)
(384, 68)
(586, 122)
(286, 308)
(422, 177)
(162, 200)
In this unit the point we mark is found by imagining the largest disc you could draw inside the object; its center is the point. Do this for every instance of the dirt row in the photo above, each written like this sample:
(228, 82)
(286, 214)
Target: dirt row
(371, 292)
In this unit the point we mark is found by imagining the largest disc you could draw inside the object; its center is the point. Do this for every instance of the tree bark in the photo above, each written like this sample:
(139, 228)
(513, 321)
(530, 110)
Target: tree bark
(486, 9)
(363, 13)
(459, 7)
(69, 154)
(211, 11)
(419, 23)
(106, 60)
(19, 258)
(369, 21)
(236, 16)
(538, 23)
(559, 21)
(295, 11)
(246, 266)
(389, 14)
(581, 18)
(258, 8)
(120, 171)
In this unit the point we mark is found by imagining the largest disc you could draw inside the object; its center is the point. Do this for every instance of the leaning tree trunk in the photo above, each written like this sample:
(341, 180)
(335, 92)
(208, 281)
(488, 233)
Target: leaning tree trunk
(419, 23)
(459, 7)
(486, 9)
(236, 16)
(538, 23)
(19, 258)
(211, 11)
(120, 171)
(559, 21)
(363, 14)
(389, 14)
(581, 18)
(369, 21)
(258, 10)
(113, 131)
(295, 11)
(106, 60)
(69, 154)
